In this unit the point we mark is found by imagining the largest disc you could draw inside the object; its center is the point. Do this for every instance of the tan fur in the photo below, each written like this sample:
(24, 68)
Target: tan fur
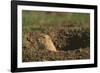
(46, 42)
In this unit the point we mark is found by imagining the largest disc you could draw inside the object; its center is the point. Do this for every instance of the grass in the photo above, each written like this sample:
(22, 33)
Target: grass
(70, 33)
(35, 21)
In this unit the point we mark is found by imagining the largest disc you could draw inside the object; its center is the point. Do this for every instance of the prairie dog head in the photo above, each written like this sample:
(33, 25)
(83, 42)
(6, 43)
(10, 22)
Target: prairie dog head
(46, 42)
(44, 38)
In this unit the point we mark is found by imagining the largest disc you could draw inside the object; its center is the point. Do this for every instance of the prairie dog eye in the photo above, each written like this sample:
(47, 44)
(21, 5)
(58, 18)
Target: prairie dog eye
(42, 36)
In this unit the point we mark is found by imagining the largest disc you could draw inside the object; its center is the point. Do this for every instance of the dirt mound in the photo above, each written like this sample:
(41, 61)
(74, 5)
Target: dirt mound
(30, 55)
(62, 39)
(67, 42)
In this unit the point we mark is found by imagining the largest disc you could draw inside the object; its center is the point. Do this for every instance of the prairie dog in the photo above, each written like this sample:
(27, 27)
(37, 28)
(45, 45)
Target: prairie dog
(45, 42)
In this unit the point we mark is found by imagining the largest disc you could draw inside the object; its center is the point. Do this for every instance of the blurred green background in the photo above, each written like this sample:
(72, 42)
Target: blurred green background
(42, 21)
